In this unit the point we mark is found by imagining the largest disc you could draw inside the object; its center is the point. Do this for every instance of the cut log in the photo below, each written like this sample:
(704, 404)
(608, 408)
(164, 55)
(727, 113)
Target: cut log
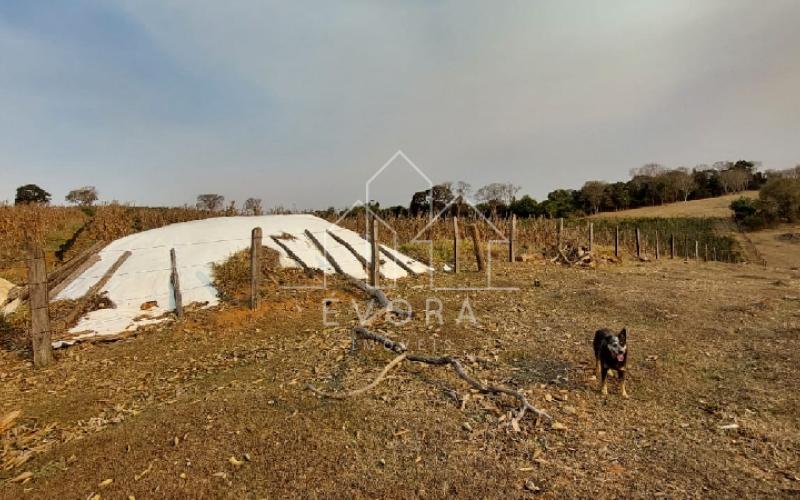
(405, 267)
(66, 270)
(349, 247)
(328, 256)
(290, 253)
(79, 310)
(61, 277)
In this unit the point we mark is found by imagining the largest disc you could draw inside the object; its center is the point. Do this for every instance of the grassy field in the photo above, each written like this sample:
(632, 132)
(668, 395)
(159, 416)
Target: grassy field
(216, 405)
(709, 207)
(779, 247)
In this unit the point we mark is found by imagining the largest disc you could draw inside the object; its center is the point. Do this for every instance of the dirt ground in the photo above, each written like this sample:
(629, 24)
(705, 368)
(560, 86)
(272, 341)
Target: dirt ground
(216, 405)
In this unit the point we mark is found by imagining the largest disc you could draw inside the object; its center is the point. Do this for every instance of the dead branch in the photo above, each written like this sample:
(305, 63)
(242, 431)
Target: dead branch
(399, 347)
(403, 354)
(332, 395)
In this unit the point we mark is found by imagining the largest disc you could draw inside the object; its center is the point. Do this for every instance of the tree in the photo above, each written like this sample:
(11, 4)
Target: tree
(780, 197)
(31, 193)
(744, 208)
(734, 180)
(440, 196)
(419, 203)
(492, 195)
(525, 207)
(683, 182)
(593, 192)
(436, 199)
(561, 203)
(649, 170)
(211, 202)
(252, 206)
(497, 195)
(84, 196)
(619, 196)
(461, 191)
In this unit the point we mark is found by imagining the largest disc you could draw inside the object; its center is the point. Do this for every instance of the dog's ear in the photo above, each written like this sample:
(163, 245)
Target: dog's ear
(623, 336)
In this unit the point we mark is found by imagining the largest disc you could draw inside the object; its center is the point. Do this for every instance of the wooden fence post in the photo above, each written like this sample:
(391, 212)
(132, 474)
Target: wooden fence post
(456, 245)
(696, 250)
(638, 243)
(560, 234)
(40, 315)
(476, 243)
(176, 284)
(616, 242)
(686, 247)
(591, 236)
(374, 264)
(512, 238)
(255, 266)
(715, 254)
(672, 246)
(658, 247)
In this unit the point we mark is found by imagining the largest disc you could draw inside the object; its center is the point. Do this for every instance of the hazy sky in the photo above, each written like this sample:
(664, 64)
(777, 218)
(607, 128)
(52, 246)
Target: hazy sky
(298, 103)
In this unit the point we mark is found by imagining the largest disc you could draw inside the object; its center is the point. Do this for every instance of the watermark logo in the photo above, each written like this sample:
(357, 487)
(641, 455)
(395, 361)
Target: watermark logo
(334, 249)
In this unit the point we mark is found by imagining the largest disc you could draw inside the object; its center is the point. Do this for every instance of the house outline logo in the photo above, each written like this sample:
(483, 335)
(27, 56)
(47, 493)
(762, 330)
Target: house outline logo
(488, 250)
(326, 238)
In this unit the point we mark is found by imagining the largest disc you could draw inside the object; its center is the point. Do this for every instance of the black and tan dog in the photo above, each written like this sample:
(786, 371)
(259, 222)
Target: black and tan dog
(611, 353)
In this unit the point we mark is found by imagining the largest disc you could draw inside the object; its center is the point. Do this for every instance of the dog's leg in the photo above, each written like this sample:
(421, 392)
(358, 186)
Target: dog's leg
(622, 383)
(604, 380)
(598, 367)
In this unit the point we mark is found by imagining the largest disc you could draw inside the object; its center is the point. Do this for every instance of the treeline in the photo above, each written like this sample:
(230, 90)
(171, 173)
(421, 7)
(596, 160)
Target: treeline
(651, 184)
(778, 201)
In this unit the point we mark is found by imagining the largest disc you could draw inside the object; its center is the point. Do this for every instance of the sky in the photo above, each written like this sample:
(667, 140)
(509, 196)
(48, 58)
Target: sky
(300, 103)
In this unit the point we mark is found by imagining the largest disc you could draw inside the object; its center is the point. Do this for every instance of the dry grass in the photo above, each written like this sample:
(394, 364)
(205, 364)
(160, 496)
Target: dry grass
(26, 225)
(232, 277)
(709, 207)
(162, 414)
(776, 248)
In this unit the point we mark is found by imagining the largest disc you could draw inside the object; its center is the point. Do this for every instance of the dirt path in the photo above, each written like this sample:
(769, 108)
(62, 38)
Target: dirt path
(215, 406)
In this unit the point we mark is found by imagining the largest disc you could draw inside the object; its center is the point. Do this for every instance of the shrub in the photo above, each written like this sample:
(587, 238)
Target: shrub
(780, 198)
(232, 277)
(743, 208)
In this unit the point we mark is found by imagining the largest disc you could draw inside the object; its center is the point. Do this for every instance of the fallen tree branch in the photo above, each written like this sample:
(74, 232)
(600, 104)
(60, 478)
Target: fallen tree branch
(332, 395)
(401, 348)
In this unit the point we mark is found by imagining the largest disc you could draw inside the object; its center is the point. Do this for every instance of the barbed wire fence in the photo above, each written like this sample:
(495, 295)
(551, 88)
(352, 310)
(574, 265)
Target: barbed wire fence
(650, 246)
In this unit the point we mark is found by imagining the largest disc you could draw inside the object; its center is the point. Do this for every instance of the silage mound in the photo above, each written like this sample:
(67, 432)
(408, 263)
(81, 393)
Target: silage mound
(144, 278)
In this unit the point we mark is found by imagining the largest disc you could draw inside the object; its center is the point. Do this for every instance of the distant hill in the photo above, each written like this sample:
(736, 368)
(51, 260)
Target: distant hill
(708, 207)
